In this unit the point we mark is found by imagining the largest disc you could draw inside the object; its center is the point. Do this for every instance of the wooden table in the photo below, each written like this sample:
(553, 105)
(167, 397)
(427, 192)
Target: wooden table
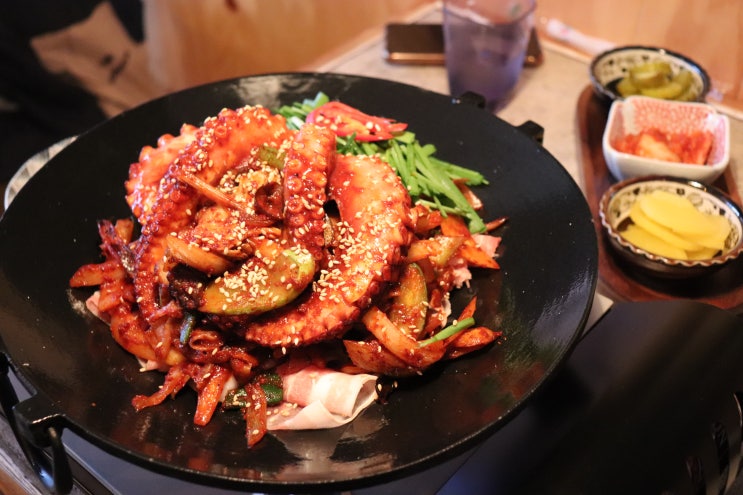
(549, 95)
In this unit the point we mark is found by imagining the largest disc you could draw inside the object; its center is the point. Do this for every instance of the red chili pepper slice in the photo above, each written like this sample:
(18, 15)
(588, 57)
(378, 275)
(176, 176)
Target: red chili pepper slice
(255, 414)
(345, 120)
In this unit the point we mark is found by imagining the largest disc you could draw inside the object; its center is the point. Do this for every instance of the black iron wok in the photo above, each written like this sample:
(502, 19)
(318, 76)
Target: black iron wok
(81, 380)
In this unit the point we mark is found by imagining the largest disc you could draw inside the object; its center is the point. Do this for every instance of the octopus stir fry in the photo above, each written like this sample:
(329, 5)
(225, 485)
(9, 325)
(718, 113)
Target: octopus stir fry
(263, 250)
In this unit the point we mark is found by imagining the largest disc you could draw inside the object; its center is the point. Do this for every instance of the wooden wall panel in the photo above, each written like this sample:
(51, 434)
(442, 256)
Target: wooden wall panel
(196, 41)
(193, 41)
(708, 31)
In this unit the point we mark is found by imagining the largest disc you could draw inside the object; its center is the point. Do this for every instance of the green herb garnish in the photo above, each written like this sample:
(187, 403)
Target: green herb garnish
(429, 180)
(447, 332)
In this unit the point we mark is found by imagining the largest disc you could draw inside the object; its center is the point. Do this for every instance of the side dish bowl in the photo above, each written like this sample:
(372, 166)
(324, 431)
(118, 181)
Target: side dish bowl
(675, 121)
(611, 66)
(614, 213)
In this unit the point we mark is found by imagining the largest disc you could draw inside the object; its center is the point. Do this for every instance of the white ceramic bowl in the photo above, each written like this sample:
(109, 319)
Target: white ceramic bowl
(609, 67)
(614, 209)
(638, 113)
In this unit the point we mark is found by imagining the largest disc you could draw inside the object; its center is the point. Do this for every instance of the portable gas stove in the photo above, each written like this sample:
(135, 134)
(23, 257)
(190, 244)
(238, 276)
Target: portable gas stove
(648, 402)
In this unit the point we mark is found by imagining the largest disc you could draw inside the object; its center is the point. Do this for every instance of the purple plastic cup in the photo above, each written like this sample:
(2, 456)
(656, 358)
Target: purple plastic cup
(485, 46)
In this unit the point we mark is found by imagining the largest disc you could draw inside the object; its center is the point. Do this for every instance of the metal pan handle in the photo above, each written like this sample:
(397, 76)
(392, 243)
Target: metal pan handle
(35, 435)
(532, 130)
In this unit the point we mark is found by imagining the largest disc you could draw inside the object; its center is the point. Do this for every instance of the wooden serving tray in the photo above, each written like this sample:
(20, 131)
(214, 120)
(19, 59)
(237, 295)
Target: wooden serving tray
(619, 281)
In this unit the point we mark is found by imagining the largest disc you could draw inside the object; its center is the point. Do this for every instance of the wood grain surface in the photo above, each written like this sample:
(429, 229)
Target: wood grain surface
(193, 43)
(708, 31)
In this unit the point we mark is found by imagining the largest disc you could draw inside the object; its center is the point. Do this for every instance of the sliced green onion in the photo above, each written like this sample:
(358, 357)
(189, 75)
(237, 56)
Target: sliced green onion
(472, 177)
(236, 399)
(397, 160)
(271, 386)
(438, 206)
(189, 321)
(270, 377)
(369, 149)
(447, 332)
(427, 178)
(294, 123)
(406, 137)
(274, 395)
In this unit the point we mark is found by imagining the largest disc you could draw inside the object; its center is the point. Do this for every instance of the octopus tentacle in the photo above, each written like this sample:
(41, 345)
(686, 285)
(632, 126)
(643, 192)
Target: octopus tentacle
(153, 163)
(308, 162)
(224, 142)
(375, 225)
(114, 300)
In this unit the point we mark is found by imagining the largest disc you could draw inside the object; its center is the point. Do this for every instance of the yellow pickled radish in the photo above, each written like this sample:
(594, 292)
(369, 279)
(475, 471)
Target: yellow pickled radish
(650, 243)
(670, 225)
(715, 240)
(640, 219)
(677, 213)
(702, 254)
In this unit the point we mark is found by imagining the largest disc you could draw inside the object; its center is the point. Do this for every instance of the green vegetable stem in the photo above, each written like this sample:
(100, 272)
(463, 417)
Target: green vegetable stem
(429, 180)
